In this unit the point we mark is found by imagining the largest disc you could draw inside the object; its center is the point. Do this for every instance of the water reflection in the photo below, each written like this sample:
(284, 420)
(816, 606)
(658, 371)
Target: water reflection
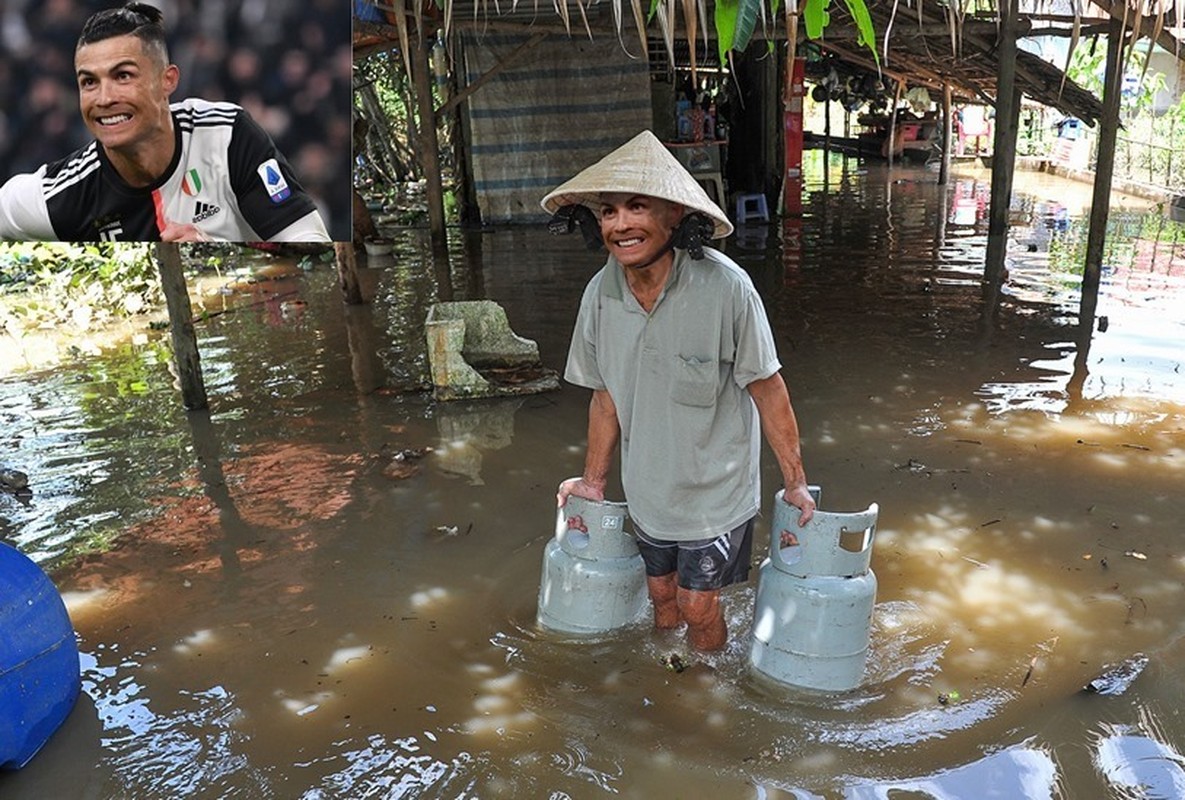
(468, 430)
(1136, 760)
(1017, 772)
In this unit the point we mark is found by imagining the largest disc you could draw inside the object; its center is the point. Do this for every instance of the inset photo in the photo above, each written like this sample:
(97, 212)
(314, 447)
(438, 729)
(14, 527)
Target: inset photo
(175, 120)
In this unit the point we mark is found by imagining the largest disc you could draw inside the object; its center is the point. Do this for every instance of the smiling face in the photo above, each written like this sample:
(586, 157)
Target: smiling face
(124, 93)
(637, 227)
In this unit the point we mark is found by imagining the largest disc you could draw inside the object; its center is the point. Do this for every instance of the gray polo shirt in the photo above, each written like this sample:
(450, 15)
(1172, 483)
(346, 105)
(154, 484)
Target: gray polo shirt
(690, 433)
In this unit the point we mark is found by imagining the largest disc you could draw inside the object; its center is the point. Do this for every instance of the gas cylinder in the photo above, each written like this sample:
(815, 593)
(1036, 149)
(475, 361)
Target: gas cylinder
(594, 581)
(39, 670)
(812, 618)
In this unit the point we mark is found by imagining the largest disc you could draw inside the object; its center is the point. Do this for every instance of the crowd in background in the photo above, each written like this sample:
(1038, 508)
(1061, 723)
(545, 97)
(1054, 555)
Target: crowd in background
(288, 62)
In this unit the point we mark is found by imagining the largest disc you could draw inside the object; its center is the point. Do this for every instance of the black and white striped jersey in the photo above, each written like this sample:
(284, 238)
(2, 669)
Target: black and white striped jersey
(226, 177)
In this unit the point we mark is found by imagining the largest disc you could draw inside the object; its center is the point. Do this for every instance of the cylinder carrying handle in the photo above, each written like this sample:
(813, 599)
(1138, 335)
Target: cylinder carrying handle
(818, 548)
(605, 537)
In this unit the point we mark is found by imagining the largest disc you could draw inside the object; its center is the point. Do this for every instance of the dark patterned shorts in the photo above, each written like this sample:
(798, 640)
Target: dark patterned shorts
(702, 564)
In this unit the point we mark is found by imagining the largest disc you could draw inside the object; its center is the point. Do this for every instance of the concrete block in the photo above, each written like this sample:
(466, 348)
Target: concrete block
(466, 338)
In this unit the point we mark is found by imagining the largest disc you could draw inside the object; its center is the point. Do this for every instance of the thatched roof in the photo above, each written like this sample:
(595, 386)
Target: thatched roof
(923, 47)
(924, 50)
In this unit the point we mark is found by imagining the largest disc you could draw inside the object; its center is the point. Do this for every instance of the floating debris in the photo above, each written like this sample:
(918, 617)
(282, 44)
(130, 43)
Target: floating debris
(403, 464)
(441, 532)
(1115, 680)
(411, 453)
(917, 467)
(1136, 555)
(674, 662)
(949, 698)
(1029, 672)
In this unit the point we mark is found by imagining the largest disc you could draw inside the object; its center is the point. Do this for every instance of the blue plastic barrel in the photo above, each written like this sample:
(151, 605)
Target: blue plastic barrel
(39, 673)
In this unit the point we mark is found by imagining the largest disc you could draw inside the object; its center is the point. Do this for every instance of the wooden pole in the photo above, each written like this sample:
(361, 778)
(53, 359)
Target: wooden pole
(1003, 148)
(429, 145)
(893, 122)
(492, 72)
(948, 130)
(347, 271)
(1104, 167)
(827, 132)
(185, 350)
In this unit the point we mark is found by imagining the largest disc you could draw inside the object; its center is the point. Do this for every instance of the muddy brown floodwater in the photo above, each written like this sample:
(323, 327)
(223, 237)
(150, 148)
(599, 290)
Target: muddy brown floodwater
(284, 614)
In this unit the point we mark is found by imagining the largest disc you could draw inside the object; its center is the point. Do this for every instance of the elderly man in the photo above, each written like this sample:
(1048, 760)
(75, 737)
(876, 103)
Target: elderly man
(673, 341)
(192, 171)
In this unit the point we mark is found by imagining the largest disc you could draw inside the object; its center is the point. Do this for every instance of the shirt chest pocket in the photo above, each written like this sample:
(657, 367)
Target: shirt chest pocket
(695, 382)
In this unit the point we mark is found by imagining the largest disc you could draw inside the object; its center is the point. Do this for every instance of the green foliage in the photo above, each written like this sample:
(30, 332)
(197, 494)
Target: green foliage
(859, 12)
(816, 16)
(80, 286)
(735, 22)
(1148, 149)
(1086, 66)
(383, 70)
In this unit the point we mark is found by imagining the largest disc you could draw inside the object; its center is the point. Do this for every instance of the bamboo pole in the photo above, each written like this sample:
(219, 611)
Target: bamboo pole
(507, 62)
(827, 132)
(948, 131)
(1003, 149)
(347, 271)
(1104, 167)
(893, 122)
(430, 145)
(185, 350)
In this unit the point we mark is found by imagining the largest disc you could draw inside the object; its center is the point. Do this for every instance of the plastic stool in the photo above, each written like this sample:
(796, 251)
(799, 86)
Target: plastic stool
(712, 183)
(751, 206)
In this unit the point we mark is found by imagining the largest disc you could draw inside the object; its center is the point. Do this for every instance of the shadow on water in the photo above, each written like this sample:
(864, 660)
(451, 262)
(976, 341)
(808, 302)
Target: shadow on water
(326, 586)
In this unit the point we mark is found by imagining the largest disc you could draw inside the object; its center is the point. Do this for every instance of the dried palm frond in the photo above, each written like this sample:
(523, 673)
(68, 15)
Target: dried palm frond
(640, 22)
(584, 19)
(664, 25)
(1075, 32)
(400, 10)
(561, 8)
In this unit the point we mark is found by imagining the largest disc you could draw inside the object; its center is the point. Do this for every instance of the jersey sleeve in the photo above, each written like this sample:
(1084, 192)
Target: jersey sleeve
(269, 195)
(23, 213)
(309, 228)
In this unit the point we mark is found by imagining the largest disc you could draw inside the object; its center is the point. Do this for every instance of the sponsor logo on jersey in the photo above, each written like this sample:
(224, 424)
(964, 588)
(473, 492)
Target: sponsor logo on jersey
(191, 184)
(273, 181)
(109, 229)
(203, 211)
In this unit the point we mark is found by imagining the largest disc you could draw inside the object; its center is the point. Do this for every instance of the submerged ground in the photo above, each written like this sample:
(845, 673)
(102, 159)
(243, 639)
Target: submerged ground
(287, 609)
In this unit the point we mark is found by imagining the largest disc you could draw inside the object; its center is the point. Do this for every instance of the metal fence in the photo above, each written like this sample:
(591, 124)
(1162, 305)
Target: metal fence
(1150, 163)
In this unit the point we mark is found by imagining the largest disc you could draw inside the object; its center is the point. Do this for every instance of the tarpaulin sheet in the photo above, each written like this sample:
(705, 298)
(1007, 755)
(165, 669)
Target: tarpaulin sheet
(561, 106)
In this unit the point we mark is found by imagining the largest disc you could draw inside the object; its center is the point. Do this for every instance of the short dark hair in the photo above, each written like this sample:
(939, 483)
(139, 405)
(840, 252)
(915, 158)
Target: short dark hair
(143, 21)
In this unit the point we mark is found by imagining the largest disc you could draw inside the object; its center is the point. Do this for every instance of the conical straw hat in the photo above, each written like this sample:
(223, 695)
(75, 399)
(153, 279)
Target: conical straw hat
(640, 166)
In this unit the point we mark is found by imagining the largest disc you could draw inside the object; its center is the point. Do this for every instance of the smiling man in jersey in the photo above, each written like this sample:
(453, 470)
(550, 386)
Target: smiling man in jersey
(182, 172)
(673, 341)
